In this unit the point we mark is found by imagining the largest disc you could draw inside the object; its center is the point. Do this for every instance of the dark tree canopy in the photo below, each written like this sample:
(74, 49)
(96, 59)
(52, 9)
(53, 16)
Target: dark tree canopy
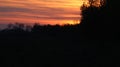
(101, 21)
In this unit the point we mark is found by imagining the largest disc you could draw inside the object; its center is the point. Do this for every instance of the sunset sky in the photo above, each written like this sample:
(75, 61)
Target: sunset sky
(40, 11)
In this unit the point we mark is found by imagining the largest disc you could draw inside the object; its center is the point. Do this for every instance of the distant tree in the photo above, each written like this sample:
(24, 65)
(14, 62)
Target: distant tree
(10, 26)
(28, 28)
(19, 25)
(36, 28)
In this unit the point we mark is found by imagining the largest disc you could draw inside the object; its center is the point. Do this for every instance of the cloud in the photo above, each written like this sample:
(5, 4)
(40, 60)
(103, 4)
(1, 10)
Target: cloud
(40, 9)
(13, 9)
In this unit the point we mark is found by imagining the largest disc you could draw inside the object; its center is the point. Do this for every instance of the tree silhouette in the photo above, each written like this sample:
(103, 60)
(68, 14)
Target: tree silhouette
(100, 21)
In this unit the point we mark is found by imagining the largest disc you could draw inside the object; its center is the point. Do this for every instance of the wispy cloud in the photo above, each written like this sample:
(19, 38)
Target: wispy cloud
(40, 10)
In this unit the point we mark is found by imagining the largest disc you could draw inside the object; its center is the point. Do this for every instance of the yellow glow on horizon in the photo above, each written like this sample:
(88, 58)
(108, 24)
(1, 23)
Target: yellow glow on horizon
(72, 22)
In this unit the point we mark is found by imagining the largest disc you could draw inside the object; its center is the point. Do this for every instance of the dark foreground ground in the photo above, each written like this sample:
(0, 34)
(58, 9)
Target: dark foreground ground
(56, 51)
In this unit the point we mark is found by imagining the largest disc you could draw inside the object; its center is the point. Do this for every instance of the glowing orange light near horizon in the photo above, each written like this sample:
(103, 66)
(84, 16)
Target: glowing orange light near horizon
(71, 22)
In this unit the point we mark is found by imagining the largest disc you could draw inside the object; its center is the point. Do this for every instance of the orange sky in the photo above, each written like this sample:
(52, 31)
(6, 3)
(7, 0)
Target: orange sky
(40, 11)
